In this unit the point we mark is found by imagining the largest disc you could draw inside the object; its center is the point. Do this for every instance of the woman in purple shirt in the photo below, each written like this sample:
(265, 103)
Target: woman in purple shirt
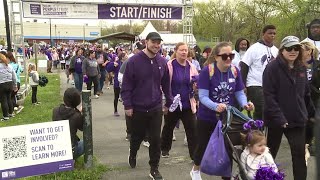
(219, 84)
(181, 71)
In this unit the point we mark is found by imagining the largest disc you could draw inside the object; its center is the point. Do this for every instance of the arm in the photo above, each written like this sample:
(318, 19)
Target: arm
(166, 87)
(84, 67)
(308, 101)
(14, 77)
(110, 67)
(205, 100)
(241, 98)
(128, 86)
(244, 71)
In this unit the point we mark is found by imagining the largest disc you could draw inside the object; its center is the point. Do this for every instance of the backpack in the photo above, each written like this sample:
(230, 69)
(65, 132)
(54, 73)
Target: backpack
(212, 66)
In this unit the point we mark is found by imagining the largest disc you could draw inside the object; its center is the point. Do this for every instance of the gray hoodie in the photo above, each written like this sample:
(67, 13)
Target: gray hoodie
(90, 67)
(7, 74)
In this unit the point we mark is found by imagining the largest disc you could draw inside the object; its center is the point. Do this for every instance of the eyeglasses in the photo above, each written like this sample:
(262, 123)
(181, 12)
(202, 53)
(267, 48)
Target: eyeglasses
(224, 57)
(295, 48)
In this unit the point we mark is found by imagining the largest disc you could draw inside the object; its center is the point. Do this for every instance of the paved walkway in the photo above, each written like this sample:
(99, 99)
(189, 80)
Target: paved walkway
(111, 148)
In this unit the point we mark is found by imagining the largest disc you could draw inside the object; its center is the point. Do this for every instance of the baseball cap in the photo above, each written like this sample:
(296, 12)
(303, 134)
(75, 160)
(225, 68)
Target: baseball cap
(154, 36)
(290, 41)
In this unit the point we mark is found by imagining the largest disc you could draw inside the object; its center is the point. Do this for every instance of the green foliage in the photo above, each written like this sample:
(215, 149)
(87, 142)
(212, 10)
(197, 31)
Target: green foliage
(230, 20)
(2, 42)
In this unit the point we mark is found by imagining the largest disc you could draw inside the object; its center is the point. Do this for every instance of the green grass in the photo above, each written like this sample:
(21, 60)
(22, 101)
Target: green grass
(50, 97)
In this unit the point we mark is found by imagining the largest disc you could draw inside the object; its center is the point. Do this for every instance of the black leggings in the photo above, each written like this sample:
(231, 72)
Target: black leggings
(116, 91)
(5, 98)
(13, 96)
(309, 132)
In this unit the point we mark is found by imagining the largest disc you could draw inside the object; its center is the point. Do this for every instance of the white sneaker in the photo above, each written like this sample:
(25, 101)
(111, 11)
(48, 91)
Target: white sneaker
(95, 97)
(174, 137)
(185, 141)
(307, 155)
(195, 175)
(146, 144)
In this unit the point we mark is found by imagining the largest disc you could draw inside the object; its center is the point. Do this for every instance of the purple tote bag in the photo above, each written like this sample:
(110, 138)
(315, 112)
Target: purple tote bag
(216, 160)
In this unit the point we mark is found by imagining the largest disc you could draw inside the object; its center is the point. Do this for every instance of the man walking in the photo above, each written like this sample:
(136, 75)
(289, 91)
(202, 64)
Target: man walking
(253, 64)
(145, 77)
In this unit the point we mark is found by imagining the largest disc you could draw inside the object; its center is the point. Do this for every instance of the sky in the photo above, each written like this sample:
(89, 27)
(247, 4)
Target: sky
(91, 22)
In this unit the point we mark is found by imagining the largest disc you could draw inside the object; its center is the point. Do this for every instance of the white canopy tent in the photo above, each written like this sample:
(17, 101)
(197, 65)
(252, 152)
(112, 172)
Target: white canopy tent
(168, 39)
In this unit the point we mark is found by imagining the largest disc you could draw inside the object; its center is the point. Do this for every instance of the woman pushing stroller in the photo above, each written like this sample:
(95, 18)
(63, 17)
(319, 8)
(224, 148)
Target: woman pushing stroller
(219, 84)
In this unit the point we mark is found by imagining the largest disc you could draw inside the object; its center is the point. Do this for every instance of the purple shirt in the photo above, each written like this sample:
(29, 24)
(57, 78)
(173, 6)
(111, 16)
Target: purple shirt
(78, 65)
(222, 88)
(181, 84)
(111, 68)
(143, 82)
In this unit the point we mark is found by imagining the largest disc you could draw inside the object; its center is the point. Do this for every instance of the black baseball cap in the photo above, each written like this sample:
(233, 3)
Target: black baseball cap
(154, 36)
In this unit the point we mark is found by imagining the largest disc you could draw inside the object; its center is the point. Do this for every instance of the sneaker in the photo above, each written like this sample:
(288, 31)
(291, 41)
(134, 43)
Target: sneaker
(35, 104)
(307, 155)
(4, 119)
(185, 141)
(128, 137)
(132, 161)
(165, 154)
(120, 100)
(11, 115)
(72, 82)
(95, 97)
(116, 114)
(146, 144)
(15, 108)
(195, 175)
(174, 137)
(38, 102)
(155, 174)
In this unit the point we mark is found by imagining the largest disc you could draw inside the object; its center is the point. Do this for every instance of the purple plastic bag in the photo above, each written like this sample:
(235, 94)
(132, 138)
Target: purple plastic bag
(216, 160)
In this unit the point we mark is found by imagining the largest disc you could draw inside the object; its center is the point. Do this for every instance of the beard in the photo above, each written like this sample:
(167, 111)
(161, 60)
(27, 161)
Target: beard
(315, 37)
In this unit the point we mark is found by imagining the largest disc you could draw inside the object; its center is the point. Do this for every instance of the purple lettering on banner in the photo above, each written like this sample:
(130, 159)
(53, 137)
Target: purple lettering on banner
(35, 9)
(108, 11)
(37, 169)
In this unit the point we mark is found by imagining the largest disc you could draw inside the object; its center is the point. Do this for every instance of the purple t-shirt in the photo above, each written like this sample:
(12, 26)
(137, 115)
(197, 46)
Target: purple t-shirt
(78, 65)
(222, 88)
(180, 83)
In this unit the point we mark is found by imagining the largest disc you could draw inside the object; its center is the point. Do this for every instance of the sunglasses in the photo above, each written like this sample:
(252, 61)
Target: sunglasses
(295, 48)
(224, 57)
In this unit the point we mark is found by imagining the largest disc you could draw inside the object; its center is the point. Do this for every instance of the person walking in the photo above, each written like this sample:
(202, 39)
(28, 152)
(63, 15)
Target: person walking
(76, 69)
(219, 85)
(8, 83)
(91, 71)
(287, 102)
(181, 71)
(145, 78)
(253, 64)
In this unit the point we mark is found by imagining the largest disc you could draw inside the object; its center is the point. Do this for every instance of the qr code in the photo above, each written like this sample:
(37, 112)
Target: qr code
(14, 147)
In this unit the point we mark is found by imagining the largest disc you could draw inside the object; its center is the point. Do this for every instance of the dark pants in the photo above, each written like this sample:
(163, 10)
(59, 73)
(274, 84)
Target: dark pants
(309, 132)
(102, 78)
(95, 82)
(255, 95)
(188, 119)
(5, 98)
(296, 139)
(116, 91)
(34, 94)
(13, 96)
(128, 124)
(147, 121)
(49, 65)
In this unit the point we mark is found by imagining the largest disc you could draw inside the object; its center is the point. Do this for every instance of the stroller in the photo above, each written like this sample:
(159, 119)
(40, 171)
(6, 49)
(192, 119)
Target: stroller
(233, 121)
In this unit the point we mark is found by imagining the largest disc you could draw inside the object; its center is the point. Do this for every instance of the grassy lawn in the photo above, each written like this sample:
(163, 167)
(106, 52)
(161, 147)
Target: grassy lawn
(49, 97)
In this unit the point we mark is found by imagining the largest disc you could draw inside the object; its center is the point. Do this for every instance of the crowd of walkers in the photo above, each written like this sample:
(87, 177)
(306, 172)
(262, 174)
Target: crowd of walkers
(281, 84)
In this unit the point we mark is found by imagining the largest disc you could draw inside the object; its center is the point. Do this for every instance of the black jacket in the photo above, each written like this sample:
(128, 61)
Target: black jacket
(286, 95)
(75, 120)
(315, 82)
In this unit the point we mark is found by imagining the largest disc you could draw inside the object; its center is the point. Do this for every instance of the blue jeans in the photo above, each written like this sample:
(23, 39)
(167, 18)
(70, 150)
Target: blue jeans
(102, 78)
(79, 150)
(78, 81)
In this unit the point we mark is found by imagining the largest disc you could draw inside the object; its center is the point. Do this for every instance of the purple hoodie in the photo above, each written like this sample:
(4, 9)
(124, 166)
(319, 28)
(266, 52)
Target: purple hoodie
(143, 80)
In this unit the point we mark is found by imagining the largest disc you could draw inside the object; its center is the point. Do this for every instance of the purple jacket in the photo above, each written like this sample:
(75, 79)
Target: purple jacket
(111, 68)
(143, 82)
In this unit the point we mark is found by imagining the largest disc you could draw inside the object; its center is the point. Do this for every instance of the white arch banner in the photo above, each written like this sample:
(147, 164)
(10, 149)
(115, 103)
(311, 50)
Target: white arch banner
(100, 11)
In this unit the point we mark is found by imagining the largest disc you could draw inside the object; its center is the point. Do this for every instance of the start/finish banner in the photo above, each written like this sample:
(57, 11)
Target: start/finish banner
(99, 11)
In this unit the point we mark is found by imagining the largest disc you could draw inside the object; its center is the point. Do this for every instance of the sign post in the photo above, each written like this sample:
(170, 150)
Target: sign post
(87, 129)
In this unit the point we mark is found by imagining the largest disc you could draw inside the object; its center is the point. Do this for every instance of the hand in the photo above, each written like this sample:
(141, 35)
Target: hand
(249, 106)
(165, 110)
(221, 107)
(285, 125)
(129, 112)
(115, 64)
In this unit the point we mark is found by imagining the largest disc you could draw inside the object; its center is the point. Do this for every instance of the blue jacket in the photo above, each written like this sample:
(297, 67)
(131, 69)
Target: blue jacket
(143, 82)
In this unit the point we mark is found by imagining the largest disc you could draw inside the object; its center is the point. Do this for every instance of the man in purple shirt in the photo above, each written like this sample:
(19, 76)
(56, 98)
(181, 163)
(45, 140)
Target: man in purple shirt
(144, 80)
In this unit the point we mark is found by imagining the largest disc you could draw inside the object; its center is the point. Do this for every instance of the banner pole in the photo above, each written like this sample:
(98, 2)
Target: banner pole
(87, 129)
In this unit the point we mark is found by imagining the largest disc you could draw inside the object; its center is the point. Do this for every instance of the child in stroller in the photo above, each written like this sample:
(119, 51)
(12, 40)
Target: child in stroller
(241, 131)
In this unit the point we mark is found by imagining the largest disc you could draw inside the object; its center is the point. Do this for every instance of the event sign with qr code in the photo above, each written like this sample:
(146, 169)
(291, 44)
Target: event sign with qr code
(35, 149)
